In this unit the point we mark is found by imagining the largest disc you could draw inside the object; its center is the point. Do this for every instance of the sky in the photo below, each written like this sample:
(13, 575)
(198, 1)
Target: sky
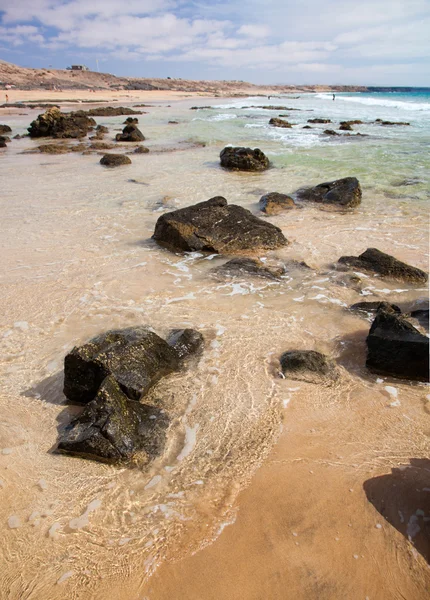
(367, 42)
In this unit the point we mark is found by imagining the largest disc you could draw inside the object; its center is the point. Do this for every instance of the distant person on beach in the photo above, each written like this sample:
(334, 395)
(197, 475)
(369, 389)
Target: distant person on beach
(334, 96)
(7, 98)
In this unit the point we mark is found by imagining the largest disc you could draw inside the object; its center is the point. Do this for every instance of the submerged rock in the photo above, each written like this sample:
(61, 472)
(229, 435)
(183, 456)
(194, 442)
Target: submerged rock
(113, 428)
(214, 226)
(345, 193)
(308, 365)
(54, 123)
(5, 129)
(244, 159)
(136, 358)
(141, 150)
(319, 121)
(397, 348)
(374, 261)
(114, 160)
(248, 267)
(97, 145)
(186, 342)
(279, 123)
(373, 307)
(130, 133)
(330, 132)
(345, 126)
(274, 203)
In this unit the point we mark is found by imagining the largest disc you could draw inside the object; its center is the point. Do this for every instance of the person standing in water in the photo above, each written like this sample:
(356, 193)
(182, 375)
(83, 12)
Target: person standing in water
(334, 96)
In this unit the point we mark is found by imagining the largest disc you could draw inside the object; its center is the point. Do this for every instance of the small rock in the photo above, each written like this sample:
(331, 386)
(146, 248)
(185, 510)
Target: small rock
(374, 261)
(248, 267)
(274, 203)
(114, 160)
(279, 123)
(319, 121)
(308, 365)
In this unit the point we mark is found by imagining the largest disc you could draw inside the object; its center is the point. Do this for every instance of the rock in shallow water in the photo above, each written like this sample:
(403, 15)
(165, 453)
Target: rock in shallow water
(374, 261)
(373, 307)
(214, 226)
(130, 133)
(274, 203)
(345, 193)
(113, 428)
(243, 159)
(308, 365)
(114, 160)
(54, 123)
(248, 267)
(396, 348)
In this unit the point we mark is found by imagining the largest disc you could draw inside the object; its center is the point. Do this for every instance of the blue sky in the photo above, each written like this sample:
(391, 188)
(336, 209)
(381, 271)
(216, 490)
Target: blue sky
(373, 42)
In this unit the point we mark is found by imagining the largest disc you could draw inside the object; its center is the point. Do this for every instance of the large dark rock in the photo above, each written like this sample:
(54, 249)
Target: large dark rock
(114, 160)
(274, 203)
(280, 123)
(214, 226)
(244, 159)
(54, 123)
(345, 193)
(374, 261)
(113, 428)
(247, 267)
(308, 365)
(5, 129)
(373, 307)
(130, 133)
(396, 348)
(135, 357)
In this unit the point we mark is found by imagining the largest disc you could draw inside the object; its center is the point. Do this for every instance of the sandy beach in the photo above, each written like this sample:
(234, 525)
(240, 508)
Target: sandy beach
(291, 490)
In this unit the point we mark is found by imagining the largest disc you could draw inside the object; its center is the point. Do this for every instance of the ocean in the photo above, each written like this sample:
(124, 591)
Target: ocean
(78, 259)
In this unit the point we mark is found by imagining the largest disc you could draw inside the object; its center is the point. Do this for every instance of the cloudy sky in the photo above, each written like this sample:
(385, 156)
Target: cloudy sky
(263, 41)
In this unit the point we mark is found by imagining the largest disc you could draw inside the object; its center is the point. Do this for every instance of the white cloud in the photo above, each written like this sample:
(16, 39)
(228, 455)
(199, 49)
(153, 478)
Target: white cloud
(254, 31)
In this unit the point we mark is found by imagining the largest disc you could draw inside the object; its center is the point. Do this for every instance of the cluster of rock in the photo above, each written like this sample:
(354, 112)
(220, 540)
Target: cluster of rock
(109, 376)
(130, 133)
(54, 123)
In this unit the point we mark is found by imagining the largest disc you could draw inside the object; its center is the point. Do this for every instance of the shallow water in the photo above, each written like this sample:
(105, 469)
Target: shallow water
(78, 260)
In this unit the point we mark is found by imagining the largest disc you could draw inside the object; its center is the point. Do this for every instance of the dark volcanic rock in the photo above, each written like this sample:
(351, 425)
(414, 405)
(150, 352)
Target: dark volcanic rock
(373, 307)
(214, 226)
(308, 365)
(112, 428)
(5, 129)
(330, 132)
(135, 357)
(247, 267)
(345, 193)
(396, 348)
(54, 123)
(319, 121)
(345, 127)
(107, 111)
(274, 203)
(374, 261)
(130, 133)
(279, 123)
(186, 342)
(244, 159)
(114, 160)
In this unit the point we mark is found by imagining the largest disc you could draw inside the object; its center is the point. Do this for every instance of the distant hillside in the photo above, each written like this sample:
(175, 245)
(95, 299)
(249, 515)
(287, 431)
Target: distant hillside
(48, 79)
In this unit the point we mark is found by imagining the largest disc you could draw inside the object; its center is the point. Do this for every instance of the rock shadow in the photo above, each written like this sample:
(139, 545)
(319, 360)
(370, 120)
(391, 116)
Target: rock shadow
(403, 499)
(49, 389)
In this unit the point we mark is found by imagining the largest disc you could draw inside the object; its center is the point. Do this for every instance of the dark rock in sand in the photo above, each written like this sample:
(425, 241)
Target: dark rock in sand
(345, 193)
(141, 150)
(373, 307)
(115, 160)
(131, 121)
(244, 159)
(330, 132)
(279, 123)
(54, 123)
(113, 428)
(130, 133)
(308, 365)
(374, 261)
(186, 342)
(319, 121)
(247, 267)
(214, 226)
(107, 111)
(136, 358)
(5, 129)
(274, 203)
(345, 127)
(396, 348)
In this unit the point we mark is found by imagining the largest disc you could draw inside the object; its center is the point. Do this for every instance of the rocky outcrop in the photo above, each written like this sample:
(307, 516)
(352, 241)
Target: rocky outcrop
(308, 365)
(374, 307)
(345, 126)
(215, 226)
(60, 148)
(279, 123)
(319, 121)
(374, 261)
(5, 129)
(107, 111)
(274, 203)
(396, 348)
(243, 159)
(114, 160)
(130, 133)
(247, 267)
(113, 428)
(330, 132)
(344, 193)
(54, 123)
(381, 122)
(135, 357)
